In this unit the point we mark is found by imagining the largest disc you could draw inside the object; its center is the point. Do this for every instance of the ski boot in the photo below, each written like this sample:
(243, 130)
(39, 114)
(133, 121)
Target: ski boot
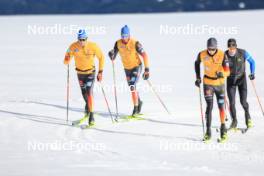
(207, 136)
(249, 123)
(233, 125)
(140, 103)
(80, 121)
(223, 134)
(91, 119)
(135, 111)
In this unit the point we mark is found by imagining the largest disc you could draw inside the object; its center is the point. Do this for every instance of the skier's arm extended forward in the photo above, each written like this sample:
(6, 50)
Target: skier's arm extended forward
(252, 64)
(112, 54)
(68, 56)
(225, 65)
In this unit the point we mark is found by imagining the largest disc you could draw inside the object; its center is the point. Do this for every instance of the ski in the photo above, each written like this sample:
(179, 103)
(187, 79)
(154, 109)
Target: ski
(206, 141)
(131, 118)
(233, 129)
(84, 126)
(125, 118)
(221, 140)
(80, 121)
(242, 130)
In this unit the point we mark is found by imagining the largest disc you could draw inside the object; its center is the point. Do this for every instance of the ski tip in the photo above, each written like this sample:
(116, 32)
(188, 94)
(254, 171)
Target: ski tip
(83, 127)
(233, 129)
(206, 141)
(243, 131)
(74, 124)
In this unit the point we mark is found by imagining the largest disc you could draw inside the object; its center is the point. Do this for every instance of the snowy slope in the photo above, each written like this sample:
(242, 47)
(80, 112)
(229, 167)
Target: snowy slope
(33, 107)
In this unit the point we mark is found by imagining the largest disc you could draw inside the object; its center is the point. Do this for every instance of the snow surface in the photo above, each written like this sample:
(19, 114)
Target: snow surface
(33, 101)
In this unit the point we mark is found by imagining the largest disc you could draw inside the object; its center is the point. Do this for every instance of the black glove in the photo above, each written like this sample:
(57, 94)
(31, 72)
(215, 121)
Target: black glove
(146, 74)
(220, 75)
(111, 54)
(198, 82)
(252, 76)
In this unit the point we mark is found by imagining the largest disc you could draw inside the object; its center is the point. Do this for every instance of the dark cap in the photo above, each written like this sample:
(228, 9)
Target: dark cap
(212, 43)
(231, 43)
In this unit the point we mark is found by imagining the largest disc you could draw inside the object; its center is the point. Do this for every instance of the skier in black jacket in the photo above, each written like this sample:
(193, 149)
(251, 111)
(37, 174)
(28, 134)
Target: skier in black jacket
(237, 59)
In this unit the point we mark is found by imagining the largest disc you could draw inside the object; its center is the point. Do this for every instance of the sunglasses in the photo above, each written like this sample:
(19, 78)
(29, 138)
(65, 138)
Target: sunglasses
(82, 40)
(124, 36)
(231, 45)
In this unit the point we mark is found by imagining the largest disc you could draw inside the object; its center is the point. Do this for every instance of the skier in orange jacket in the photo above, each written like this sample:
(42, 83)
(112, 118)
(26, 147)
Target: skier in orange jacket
(84, 52)
(216, 69)
(130, 51)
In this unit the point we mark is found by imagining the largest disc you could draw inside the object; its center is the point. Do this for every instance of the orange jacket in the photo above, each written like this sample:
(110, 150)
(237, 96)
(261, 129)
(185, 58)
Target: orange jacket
(84, 57)
(130, 52)
(213, 64)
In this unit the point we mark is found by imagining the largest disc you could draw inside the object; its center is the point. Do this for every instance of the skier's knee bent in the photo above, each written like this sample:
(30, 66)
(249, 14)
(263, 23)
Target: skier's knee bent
(244, 104)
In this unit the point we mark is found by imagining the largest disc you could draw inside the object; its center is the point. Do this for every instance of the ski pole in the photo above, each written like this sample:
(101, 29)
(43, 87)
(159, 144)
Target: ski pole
(227, 107)
(107, 104)
(255, 90)
(150, 85)
(114, 77)
(201, 109)
(68, 82)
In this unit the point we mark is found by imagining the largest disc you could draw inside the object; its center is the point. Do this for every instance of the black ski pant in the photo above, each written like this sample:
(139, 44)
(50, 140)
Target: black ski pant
(133, 76)
(232, 86)
(209, 92)
(86, 82)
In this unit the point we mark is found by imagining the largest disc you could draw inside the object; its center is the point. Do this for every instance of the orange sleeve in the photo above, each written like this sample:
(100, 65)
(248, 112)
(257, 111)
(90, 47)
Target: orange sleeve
(100, 57)
(145, 59)
(68, 55)
(143, 54)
